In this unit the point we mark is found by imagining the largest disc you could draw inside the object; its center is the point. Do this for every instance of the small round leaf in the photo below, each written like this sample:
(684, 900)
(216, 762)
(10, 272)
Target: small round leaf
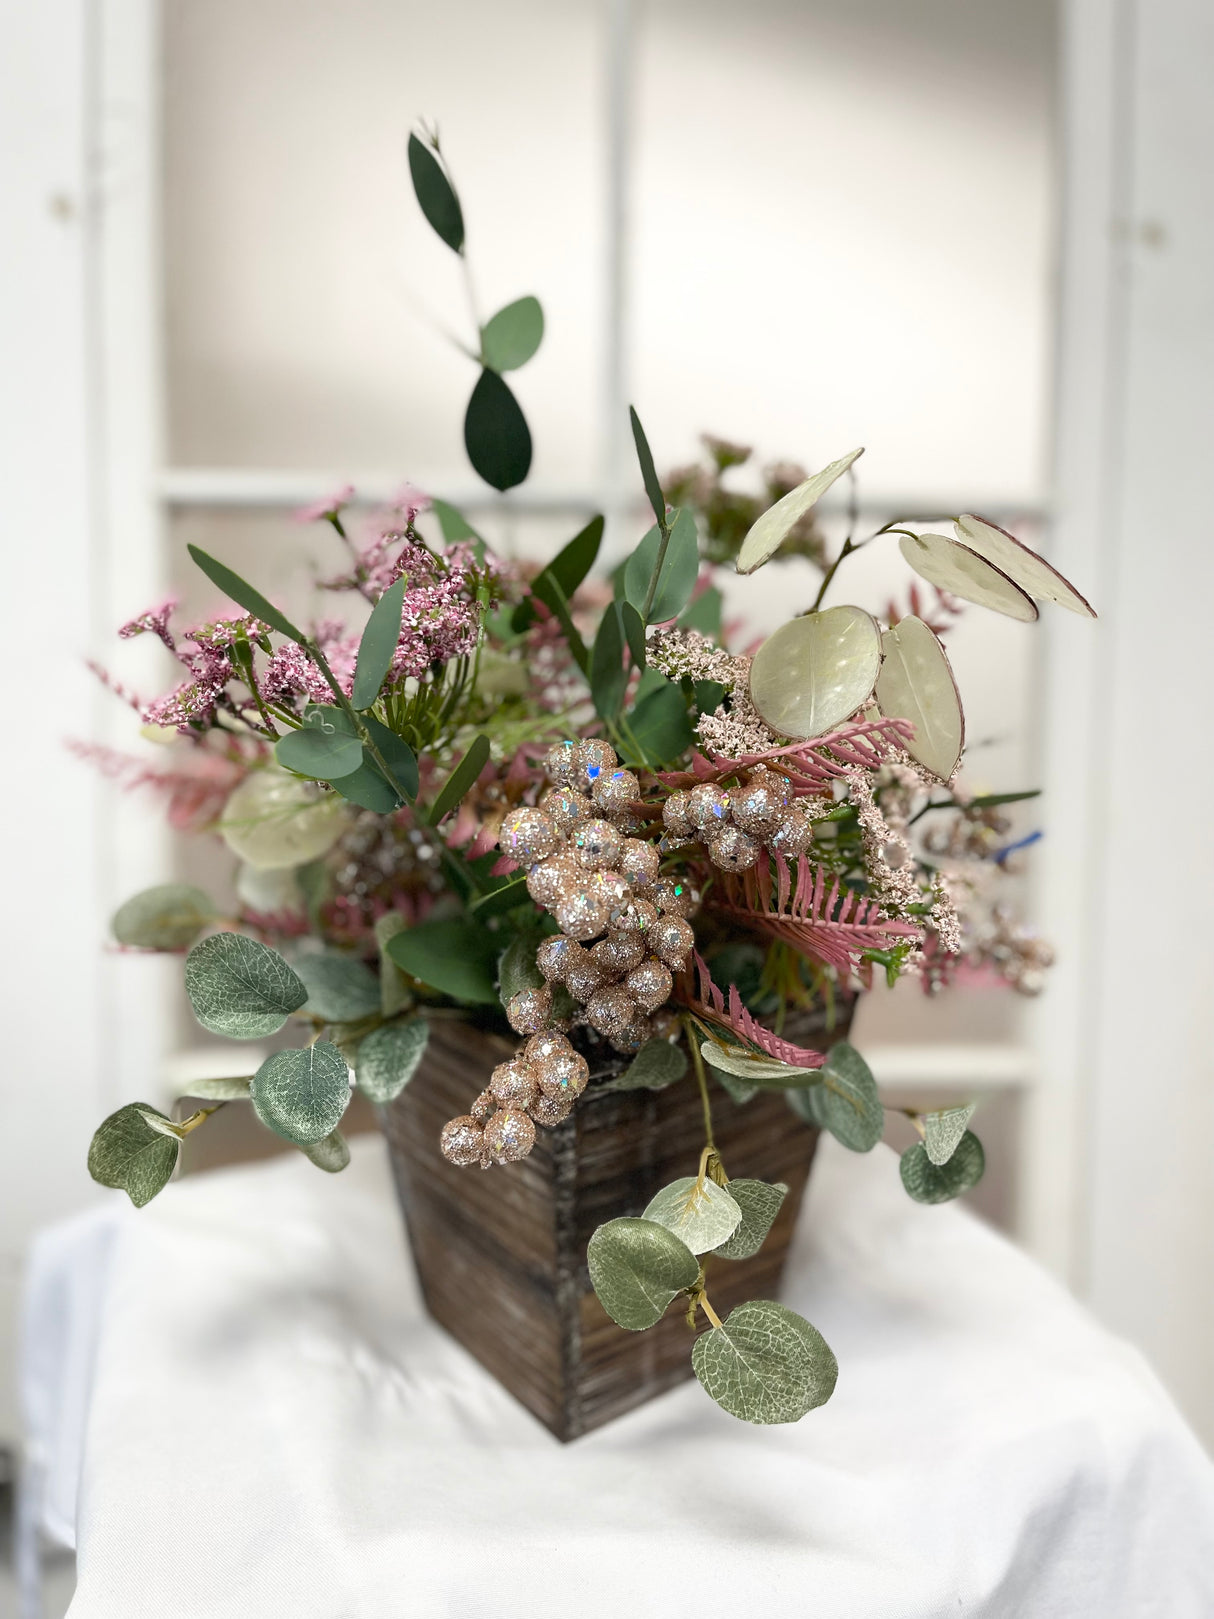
(916, 683)
(765, 1364)
(436, 195)
(940, 1183)
(943, 1130)
(341, 989)
(332, 1154)
(637, 1267)
(816, 671)
(656, 1065)
(962, 572)
(701, 1214)
(388, 1059)
(496, 434)
(130, 1152)
(759, 1202)
(168, 917)
(240, 988)
(301, 1095)
(846, 1102)
(512, 336)
(324, 747)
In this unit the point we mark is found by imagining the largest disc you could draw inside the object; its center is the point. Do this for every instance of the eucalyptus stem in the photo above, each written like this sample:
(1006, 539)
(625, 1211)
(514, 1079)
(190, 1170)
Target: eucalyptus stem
(663, 546)
(195, 1119)
(708, 1310)
(697, 1062)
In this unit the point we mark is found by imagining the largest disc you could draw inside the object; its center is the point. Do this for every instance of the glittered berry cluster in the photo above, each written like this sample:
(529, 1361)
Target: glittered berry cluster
(736, 825)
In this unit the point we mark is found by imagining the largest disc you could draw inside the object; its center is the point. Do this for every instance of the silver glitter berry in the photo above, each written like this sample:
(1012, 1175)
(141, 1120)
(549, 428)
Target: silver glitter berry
(596, 844)
(758, 805)
(509, 1136)
(614, 791)
(527, 835)
(610, 1010)
(707, 806)
(650, 985)
(792, 833)
(530, 1010)
(543, 1047)
(583, 978)
(566, 1074)
(672, 939)
(732, 849)
(581, 914)
(554, 955)
(674, 897)
(639, 862)
(636, 916)
(674, 815)
(551, 878)
(549, 1110)
(592, 760)
(565, 808)
(514, 1083)
(609, 885)
(633, 1035)
(559, 762)
(462, 1140)
(629, 948)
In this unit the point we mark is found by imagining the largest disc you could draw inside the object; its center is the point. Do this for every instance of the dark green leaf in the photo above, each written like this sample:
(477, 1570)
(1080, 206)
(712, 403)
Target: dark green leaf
(341, 989)
(301, 1095)
(637, 1267)
(512, 336)
(130, 1153)
(680, 569)
(634, 632)
(454, 525)
(436, 195)
(496, 434)
(649, 476)
(940, 1183)
(547, 588)
(759, 1202)
(660, 727)
(245, 596)
(388, 1059)
(608, 674)
(332, 1154)
(657, 1064)
(993, 800)
(765, 1364)
(397, 755)
(461, 779)
(368, 788)
(453, 956)
(709, 695)
(325, 746)
(704, 614)
(517, 969)
(846, 1102)
(167, 917)
(568, 567)
(240, 988)
(378, 645)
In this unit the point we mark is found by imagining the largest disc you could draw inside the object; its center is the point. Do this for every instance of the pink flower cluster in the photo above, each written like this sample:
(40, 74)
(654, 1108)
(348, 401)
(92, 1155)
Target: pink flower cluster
(205, 651)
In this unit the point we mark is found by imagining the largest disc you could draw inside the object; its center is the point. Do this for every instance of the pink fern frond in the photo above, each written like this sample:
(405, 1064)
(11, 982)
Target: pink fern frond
(812, 767)
(713, 1007)
(819, 918)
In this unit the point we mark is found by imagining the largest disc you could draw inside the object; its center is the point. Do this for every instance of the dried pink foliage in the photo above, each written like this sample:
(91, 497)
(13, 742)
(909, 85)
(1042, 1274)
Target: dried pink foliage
(812, 767)
(713, 1006)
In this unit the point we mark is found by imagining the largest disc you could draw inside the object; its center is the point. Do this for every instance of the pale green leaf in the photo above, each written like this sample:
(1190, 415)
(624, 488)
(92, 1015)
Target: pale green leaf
(275, 821)
(130, 1152)
(657, 1064)
(240, 988)
(341, 989)
(765, 1364)
(394, 993)
(962, 572)
(700, 1213)
(512, 336)
(940, 1183)
(816, 671)
(234, 1089)
(167, 917)
(301, 1095)
(916, 683)
(388, 1059)
(846, 1102)
(943, 1130)
(763, 1072)
(636, 1268)
(332, 1154)
(770, 530)
(1024, 567)
(759, 1202)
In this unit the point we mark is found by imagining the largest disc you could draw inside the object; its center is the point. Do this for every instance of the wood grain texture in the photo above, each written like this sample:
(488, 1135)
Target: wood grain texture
(501, 1254)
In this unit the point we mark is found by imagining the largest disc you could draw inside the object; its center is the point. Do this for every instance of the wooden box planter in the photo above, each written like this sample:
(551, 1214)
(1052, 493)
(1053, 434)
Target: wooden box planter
(501, 1254)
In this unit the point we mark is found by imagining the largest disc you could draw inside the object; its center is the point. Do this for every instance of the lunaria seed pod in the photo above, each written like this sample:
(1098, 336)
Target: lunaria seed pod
(462, 1141)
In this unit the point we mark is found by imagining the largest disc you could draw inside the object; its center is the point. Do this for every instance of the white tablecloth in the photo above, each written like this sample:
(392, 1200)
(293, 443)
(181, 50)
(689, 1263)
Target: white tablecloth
(275, 1428)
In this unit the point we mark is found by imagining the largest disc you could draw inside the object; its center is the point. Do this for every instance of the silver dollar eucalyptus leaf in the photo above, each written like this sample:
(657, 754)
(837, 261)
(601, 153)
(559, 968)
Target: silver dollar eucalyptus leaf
(637, 1267)
(135, 1150)
(816, 671)
(916, 683)
(770, 530)
(332, 1154)
(700, 1213)
(765, 1364)
(301, 1095)
(168, 917)
(962, 572)
(388, 1058)
(241, 988)
(940, 1183)
(943, 1130)
(759, 1202)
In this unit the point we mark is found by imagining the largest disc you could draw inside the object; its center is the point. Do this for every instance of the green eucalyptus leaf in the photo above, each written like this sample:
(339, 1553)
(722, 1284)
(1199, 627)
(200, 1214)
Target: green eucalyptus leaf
(234, 1089)
(517, 971)
(368, 788)
(569, 567)
(496, 434)
(454, 956)
(131, 1153)
(608, 673)
(770, 530)
(388, 1059)
(699, 1212)
(378, 646)
(453, 525)
(240, 988)
(649, 476)
(245, 596)
(659, 725)
(704, 613)
(738, 1090)
(846, 1102)
(916, 683)
(680, 569)
(332, 1154)
(816, 671)
(759, 1202)
(636, 1268)
(765, 1364)
(461, 779)
(341, 989)
(940, 1183)
(167, 917)
(397, 755)
(943, 1130)
(766, 1073)
(547, 588)
(657, 1064)
(634, 632)
(436, 195)
(512, 336)
(301, 1095)
(325, 747)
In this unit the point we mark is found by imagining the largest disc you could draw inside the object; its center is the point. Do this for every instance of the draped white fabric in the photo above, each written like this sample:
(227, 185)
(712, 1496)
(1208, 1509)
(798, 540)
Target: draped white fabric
(276, 1429)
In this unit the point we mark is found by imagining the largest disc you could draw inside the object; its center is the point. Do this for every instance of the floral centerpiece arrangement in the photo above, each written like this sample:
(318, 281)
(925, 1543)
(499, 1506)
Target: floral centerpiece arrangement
(579, 808)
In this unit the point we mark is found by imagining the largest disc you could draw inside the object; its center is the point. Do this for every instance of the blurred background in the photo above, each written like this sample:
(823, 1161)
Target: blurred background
(974, 237)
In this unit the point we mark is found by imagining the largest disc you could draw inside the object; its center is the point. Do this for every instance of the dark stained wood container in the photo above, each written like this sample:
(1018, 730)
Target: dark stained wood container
(501, 1253)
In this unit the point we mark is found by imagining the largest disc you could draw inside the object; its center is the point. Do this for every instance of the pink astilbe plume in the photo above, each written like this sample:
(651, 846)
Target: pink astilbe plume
(713, 1007)
(820, 919)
